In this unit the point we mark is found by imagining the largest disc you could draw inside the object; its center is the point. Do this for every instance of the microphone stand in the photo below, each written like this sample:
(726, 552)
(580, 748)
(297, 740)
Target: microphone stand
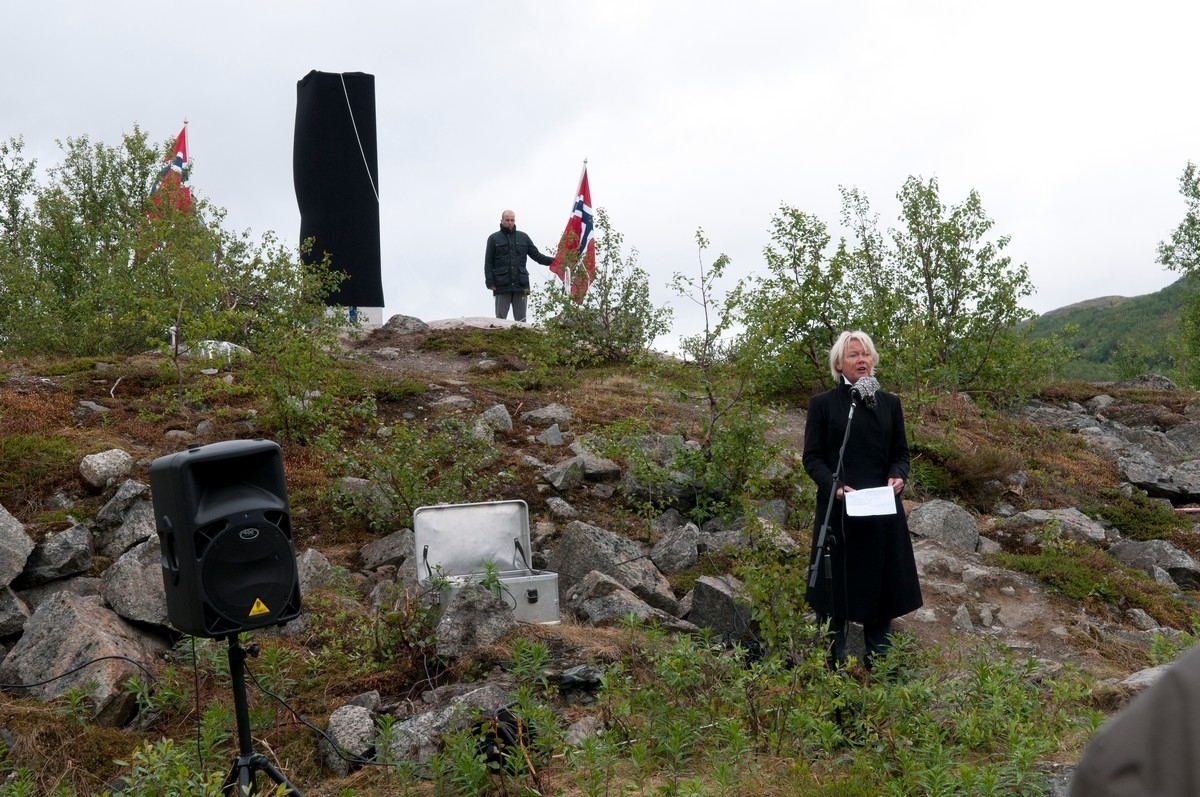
(822, 553)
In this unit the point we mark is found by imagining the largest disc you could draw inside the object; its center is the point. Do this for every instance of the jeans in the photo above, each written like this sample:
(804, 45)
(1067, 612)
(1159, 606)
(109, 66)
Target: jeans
(877, 636)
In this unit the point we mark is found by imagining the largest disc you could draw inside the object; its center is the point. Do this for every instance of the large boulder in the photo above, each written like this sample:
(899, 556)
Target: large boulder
(1180, 483)
(79, 636)
(945, 521)
(566, 475)
(1149, 555)
(124, 521)
(601, 601)
(1023, 528)
(313, 569)
(348, 740)
(405, 325)
(584, 548)
(393, 549)
(722, 605)
(551, 414)
(475, 618)
(60, 555)
(677, 551)
(15, 547)
(416, 739)
(595, 467)
(14, 613)
(133, 585)
(103, 469)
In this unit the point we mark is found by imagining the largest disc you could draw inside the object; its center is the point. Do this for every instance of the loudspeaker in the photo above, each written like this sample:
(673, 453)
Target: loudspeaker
(228, 561)
(335, 167)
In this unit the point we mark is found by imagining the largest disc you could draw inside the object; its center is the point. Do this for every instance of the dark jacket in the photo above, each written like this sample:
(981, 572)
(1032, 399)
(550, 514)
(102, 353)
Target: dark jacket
(874, 575)
(504, 269)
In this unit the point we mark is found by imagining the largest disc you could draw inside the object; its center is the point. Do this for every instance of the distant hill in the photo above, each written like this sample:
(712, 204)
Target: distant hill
(1145, 327)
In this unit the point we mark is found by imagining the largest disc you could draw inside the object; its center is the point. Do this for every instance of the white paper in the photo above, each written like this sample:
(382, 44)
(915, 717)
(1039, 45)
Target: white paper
(871, 501)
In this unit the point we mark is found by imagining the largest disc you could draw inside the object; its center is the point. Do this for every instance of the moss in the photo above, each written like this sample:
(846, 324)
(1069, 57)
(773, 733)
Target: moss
(1136, 516)
(33, 463)
(56, 753)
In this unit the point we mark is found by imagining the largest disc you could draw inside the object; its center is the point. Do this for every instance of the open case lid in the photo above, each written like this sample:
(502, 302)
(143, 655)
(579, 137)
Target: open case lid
(456, 539)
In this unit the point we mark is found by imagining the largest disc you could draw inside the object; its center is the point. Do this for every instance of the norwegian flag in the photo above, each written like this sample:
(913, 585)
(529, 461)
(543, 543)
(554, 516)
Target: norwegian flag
(575, 260)
(172, 181)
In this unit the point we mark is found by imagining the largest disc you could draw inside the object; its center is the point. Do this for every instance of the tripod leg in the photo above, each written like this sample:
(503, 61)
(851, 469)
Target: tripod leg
(263, 763)
(240, 780)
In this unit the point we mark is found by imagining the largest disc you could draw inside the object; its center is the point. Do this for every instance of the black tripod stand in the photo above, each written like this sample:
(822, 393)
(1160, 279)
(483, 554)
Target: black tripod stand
(821, 553)
(241, 781)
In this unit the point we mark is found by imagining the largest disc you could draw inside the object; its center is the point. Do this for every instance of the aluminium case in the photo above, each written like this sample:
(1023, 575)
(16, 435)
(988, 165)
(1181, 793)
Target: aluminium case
(454, 541)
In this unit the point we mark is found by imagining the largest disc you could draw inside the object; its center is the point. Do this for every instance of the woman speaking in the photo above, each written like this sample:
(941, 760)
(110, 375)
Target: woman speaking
(870, 575)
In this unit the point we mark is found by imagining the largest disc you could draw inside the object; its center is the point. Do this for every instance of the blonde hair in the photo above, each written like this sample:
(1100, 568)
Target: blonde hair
(838, 351)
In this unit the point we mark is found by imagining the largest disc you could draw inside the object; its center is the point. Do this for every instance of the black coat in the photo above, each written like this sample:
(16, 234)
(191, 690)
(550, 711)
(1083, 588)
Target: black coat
(504, 269)
(874, 576)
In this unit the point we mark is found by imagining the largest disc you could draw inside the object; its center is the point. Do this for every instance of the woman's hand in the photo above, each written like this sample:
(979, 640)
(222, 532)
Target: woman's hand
(841, 491)
(897, 485)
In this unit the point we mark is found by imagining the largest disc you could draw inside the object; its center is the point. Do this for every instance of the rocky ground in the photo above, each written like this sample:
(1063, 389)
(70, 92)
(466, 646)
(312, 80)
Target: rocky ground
(966, 600)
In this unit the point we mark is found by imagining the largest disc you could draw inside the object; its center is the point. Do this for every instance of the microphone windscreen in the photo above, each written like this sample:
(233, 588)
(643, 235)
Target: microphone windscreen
(865, 389)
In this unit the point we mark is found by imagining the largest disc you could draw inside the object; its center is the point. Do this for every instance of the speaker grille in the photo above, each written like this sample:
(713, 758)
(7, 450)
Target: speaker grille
(248, 576)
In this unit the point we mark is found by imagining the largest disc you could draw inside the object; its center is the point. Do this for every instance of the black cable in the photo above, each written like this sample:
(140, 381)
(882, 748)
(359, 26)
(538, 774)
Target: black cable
(282, 702)
(634, 559)
(296, 715)
(196, 695)
(85, 665)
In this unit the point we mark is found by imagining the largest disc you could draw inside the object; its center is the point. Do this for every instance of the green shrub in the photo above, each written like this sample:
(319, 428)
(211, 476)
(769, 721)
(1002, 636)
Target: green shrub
(409, 465)
(616, 321)
(159, 768)
(775, 584)
(296, 379)
(1136, 515)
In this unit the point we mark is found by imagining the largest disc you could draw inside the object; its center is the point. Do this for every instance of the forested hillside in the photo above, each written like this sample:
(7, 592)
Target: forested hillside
(1116, 337)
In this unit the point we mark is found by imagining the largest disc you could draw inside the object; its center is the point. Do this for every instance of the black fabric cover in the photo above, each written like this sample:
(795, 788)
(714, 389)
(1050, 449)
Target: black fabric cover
(339, 208)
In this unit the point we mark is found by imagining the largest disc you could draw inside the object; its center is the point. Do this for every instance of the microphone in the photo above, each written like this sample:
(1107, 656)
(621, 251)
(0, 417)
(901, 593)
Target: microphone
(865, 389)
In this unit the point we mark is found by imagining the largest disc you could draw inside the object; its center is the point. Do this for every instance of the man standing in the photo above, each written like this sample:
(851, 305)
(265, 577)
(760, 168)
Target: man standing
(504, 269)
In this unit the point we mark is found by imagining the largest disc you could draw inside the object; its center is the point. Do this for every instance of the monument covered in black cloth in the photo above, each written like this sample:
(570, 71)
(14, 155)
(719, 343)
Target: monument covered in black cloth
(335, 164)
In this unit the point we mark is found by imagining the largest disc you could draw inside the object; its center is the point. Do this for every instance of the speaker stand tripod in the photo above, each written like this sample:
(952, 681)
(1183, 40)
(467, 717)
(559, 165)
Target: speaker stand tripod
(241, 781)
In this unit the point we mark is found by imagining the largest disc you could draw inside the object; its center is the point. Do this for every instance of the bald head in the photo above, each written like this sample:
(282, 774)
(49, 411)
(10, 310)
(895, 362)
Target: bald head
(508, 220)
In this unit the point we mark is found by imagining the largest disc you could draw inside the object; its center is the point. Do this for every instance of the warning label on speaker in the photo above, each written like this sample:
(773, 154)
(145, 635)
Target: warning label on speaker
(259, 608)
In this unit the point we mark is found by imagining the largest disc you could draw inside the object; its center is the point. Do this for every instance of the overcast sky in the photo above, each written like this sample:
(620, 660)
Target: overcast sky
(1073, 120)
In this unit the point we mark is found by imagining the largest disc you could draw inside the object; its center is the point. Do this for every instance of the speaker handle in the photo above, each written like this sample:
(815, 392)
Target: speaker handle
(170, 559)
